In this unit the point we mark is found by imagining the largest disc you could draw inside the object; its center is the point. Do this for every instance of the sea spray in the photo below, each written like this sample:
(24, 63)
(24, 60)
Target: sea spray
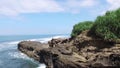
(12, 58)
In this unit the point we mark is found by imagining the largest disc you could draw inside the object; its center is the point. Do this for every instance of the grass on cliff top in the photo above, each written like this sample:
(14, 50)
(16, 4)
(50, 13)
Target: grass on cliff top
(106, 27)
(80, 27)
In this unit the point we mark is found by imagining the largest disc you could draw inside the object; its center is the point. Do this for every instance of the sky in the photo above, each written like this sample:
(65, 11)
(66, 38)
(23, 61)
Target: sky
(30, 17)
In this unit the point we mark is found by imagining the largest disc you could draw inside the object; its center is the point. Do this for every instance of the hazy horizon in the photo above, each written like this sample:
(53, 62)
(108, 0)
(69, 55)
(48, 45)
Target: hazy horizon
(31, 17)
(31, 34)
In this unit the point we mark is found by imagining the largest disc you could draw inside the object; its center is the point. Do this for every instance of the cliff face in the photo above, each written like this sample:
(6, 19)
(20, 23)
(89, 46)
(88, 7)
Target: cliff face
(81, 52)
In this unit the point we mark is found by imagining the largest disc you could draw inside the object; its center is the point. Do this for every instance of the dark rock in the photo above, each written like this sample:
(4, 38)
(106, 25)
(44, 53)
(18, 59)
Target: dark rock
(55, 42)
(115, 59)
(30, 48)
(81, 52)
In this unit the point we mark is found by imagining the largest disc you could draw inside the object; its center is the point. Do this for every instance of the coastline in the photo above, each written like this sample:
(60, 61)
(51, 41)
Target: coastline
(80, 52)
(93, 44)
(9, 51)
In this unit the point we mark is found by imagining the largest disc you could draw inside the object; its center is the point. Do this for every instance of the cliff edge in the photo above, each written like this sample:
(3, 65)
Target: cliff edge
(83, 51)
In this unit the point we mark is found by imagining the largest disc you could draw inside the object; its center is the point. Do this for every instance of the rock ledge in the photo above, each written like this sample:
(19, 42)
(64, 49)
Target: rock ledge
(81, 52)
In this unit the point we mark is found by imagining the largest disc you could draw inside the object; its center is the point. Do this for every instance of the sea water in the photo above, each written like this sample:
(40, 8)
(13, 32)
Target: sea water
(10, 57)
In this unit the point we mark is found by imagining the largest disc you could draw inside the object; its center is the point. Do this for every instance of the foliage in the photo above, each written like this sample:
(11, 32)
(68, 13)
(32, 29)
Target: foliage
(108, 26)
(78, 28)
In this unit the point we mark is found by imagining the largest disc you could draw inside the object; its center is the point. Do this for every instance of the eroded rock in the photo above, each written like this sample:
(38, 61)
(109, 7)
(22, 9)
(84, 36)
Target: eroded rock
(81, 52)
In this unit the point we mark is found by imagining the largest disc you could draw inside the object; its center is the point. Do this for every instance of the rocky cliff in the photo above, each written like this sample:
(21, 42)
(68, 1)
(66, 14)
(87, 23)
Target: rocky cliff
(84, 51)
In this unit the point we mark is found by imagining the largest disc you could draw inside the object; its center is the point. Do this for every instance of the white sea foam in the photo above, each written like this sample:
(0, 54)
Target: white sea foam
(55, 37)
(18, 55)
(6, 46)
(23, 56)
(13, 45)
(11, 42)
(41, 66)
(42, 40)
(45, 40)
(14, 42)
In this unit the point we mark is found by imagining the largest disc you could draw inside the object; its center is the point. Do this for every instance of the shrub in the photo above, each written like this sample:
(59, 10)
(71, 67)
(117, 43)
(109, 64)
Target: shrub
(82, 26)
(108, 26)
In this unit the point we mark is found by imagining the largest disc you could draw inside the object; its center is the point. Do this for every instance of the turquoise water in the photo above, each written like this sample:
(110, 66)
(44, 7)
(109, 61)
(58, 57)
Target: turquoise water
(10, 57)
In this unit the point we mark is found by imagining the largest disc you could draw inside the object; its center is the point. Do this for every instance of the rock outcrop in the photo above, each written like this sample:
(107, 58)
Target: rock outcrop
(30, 48)
(84, 51)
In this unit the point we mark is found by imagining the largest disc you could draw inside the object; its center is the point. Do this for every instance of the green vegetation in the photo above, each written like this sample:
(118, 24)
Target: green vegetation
(82, 26)
(106, 27)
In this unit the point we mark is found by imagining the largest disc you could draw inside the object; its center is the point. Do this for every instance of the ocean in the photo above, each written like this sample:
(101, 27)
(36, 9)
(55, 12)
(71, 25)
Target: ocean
(10, 57)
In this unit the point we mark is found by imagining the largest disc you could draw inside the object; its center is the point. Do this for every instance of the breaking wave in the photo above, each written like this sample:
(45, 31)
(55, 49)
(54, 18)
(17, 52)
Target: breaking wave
(13, 58)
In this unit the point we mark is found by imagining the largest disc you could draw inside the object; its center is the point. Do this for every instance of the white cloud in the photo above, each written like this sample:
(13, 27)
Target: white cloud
(75, 6)
(16, 7)
(81, 3)
(108, 5)
(114, 4)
